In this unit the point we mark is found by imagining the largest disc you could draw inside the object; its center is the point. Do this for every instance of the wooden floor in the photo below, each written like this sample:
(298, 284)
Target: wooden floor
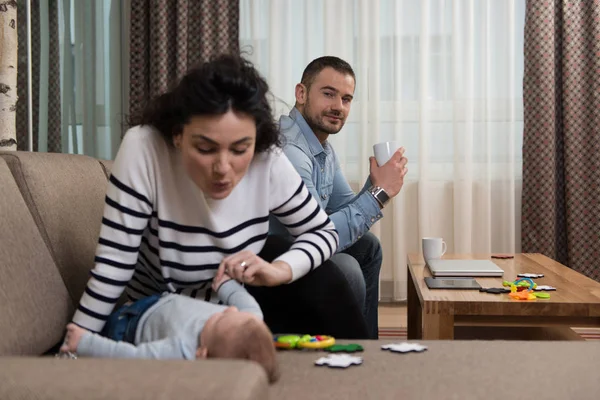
(392, 315)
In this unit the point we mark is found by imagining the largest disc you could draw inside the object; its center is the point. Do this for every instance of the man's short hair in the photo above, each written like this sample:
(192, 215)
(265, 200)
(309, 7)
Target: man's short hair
(319, 64)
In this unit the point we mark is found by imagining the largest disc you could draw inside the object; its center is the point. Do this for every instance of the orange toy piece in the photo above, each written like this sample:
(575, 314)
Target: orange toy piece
(524, 294)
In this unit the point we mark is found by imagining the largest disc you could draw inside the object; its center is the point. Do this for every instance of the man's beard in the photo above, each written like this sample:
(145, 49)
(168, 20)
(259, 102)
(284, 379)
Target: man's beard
(318, 124)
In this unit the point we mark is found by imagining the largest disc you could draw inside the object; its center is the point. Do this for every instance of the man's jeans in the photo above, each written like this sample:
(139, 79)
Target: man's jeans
(361, 264)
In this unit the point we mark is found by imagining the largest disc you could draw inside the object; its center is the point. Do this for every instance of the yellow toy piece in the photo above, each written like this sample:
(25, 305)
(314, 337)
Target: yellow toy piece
(322, 342)
(303, 342)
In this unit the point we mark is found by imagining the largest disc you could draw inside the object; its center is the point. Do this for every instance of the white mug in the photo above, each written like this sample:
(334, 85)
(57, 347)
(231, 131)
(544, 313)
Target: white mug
(383, 151)
(433, 248)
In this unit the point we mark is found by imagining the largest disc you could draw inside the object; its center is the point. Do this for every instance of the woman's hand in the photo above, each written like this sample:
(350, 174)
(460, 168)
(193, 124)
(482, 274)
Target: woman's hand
(216, 283)
(247, 267)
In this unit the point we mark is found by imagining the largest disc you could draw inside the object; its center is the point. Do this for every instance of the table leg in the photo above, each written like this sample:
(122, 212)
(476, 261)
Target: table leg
(414, 310)
(437, 326)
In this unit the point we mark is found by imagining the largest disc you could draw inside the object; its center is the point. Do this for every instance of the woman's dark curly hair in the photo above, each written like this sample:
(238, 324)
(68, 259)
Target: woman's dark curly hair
(226, 82)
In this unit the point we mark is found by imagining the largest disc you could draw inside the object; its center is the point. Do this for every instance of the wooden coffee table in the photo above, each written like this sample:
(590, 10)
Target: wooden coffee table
(433, 314)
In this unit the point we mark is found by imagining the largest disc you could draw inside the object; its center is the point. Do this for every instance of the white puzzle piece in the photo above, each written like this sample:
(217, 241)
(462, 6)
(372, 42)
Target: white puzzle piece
(529, 275)
(339, 360)
(404, 347)
(544, 287)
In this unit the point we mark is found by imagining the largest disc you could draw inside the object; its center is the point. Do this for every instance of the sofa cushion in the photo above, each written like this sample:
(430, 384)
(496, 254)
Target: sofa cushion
(27, 378)
(448, 370)
(34, 302)
(65, 194)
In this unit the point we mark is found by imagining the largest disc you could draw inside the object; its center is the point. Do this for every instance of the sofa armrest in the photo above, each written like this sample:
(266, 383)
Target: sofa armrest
(94, 379)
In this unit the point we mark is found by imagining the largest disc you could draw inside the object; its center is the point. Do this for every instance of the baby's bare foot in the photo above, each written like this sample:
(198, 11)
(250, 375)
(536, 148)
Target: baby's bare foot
(74, 334)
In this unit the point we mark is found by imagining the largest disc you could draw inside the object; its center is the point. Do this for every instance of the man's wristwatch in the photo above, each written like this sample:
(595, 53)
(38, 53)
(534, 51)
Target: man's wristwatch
(380, 195)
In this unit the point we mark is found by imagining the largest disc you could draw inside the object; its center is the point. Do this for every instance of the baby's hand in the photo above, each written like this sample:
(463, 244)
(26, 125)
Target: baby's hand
(74, 334)
(216, 284)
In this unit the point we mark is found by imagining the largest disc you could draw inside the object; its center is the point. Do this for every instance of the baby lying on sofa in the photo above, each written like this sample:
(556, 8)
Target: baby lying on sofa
(173, 326)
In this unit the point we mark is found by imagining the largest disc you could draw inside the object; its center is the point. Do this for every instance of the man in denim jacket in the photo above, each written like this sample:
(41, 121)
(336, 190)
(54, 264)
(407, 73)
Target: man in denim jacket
(323, 100)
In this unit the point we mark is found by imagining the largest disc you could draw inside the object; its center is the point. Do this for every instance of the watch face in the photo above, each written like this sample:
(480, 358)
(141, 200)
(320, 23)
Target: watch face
(382, 196)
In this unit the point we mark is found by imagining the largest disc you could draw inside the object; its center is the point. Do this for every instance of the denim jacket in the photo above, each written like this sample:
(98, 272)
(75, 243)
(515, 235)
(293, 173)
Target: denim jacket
(353, 214)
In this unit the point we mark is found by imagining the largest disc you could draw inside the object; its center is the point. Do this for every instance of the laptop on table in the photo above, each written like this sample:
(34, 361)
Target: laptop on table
(441, 267)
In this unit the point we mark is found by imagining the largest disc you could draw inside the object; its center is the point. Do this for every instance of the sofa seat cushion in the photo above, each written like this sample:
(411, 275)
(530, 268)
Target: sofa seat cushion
(448, 370)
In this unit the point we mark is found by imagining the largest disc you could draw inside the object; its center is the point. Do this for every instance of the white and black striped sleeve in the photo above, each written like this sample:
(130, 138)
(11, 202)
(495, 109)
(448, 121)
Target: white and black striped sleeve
(294, 206)
(127, 210)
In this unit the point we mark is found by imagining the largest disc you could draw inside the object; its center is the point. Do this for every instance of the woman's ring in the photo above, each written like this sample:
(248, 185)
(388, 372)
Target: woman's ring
(244, 265)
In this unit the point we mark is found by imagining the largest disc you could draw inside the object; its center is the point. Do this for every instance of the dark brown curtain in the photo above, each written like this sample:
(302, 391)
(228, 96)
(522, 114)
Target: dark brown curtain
(54, 111)
(561, 148)
(170, 36)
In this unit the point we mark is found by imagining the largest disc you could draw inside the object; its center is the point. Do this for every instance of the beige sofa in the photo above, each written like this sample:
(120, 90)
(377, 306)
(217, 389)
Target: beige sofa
(50, 212)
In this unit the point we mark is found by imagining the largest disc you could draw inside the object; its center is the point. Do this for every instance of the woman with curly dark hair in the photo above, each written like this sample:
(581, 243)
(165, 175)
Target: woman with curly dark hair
(189, 199)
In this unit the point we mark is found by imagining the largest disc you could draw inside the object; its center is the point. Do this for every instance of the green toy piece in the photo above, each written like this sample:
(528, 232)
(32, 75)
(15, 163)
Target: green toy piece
(541, 295)
(288, 341)
(347, 348)
(519, 284)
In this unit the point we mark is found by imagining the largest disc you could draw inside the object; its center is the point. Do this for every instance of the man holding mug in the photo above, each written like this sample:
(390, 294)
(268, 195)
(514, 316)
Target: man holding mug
(323, 100)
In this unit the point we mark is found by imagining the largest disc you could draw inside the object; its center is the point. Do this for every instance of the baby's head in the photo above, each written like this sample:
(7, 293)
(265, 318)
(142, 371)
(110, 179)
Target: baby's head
(235, 334)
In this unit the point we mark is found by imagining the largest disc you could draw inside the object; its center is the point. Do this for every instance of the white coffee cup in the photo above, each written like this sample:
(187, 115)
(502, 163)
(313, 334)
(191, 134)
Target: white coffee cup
(383, 151)
(433, 248)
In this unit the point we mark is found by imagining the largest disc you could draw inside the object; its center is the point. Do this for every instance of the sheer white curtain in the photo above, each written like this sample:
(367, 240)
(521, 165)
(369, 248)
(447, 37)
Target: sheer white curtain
(93, 67)
(441, 77)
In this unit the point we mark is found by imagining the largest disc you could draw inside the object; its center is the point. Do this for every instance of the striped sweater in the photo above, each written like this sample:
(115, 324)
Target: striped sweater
(160, 233)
